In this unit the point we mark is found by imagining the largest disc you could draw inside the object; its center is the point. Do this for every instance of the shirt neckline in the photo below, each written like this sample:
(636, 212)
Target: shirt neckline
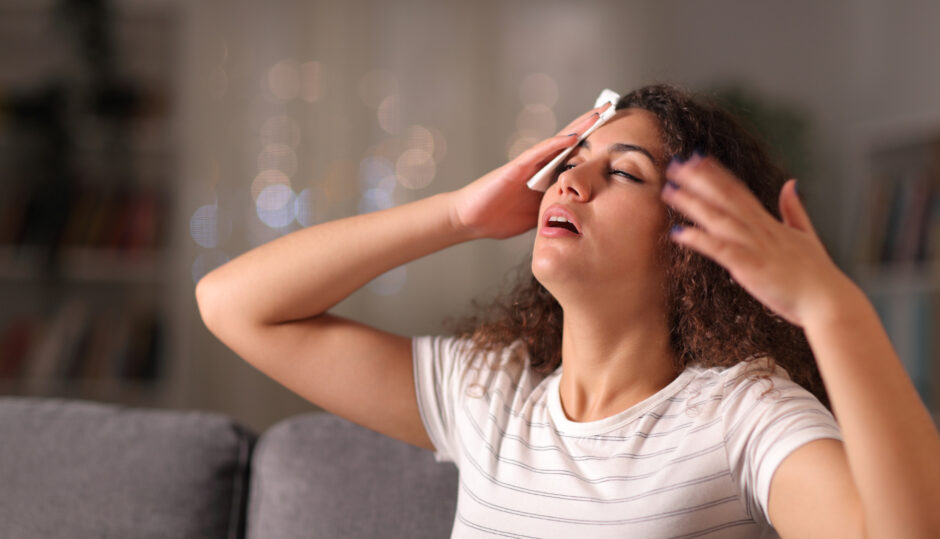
(600, 426)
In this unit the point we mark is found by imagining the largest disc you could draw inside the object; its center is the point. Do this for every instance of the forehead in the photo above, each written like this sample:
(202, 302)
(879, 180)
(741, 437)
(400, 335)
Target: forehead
(632, 126)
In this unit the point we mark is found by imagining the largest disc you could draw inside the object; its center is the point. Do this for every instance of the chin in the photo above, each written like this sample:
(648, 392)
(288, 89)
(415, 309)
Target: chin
(555, 273)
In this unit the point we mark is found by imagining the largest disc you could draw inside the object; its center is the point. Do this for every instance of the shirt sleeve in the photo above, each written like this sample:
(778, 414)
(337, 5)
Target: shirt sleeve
(438, 363)
(762, 428)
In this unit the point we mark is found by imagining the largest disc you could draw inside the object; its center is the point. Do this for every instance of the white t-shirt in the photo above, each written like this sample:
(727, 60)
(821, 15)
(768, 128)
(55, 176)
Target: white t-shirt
(694, 459)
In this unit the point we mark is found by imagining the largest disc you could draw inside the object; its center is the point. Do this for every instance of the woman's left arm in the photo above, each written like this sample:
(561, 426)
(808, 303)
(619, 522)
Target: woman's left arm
(890, 439)
(892, 446)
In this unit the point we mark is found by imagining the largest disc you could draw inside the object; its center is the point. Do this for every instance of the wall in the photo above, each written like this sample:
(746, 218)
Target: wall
(459, 66)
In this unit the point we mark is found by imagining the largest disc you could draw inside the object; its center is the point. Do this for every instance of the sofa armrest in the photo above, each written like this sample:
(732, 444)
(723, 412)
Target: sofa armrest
(74, 468)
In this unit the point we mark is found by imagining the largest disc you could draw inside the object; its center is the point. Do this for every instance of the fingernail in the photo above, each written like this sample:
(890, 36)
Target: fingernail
(699, 151)
(676, 229)
(573, 135)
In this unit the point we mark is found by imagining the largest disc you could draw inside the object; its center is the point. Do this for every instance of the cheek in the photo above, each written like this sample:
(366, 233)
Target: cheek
(638, 220)
(635, 234)
(544, 202)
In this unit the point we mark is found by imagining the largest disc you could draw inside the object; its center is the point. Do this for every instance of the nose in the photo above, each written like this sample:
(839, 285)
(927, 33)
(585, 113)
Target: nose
(575, 183)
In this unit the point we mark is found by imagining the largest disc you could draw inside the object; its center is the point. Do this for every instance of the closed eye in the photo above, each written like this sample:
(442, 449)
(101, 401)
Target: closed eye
(626, 175)
(566, 166)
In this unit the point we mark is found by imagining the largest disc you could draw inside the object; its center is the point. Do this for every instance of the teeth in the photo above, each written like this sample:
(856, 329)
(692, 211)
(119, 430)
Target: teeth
(560, 219)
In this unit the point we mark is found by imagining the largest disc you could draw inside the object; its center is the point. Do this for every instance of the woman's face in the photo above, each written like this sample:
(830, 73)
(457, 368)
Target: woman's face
(610, 187)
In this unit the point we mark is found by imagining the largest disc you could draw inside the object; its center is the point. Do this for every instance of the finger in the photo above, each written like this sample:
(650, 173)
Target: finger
(544, 151)
(715, 220)
(581, 124)
(534, 158)
(594, 114)
(708, 178)
(725, 252)
(792, 210)
(541, 153)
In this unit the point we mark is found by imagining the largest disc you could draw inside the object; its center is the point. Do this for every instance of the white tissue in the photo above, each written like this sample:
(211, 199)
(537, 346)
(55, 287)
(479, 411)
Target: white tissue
(541, 180)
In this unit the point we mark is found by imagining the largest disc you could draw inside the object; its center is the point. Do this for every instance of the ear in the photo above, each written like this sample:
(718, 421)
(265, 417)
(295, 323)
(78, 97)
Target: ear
(792, 210)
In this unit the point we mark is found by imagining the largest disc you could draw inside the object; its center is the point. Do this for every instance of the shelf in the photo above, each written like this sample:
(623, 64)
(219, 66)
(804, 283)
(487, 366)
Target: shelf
(106, 289)
(137, 145)
(84, 264)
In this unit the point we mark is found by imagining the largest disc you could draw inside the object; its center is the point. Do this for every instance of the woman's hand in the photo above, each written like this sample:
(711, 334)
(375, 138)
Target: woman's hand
(784, 265)
(500, 204)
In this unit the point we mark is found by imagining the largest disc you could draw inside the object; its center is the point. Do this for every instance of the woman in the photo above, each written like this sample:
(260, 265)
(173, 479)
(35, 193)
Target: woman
(648, 381)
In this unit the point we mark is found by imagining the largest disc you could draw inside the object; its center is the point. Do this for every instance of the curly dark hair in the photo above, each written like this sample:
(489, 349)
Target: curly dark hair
(713, 320)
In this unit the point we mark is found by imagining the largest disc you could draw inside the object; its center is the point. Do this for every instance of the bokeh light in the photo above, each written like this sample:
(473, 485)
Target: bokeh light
(311, 81)
(275, 206)
(375, 200)
(209, 227)
(539, 119)
(283, 80)
(538, 89)
(267, 178)
(375, 172)
(309, 207)
(520, 142)
(536, 121)
(418, 137)
(388, 148)
(389, 115)
(278, 157)
(440, 143)
(415, 169)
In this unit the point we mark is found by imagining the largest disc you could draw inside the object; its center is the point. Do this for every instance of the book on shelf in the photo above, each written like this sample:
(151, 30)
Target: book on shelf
(901, 217)
(76, 342)
(59, 336)
(16, 339)
(899, 225)
(144, 349)
(123, 219)
(904, 221)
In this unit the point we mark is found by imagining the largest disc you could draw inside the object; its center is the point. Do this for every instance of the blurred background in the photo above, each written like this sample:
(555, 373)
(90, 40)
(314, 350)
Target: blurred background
(145, 142)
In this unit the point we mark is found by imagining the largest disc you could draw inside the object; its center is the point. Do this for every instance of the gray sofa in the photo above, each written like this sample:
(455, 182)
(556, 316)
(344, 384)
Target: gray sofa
(76, 469)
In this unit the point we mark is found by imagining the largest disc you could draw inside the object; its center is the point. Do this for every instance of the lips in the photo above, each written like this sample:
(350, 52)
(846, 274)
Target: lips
(559, 218)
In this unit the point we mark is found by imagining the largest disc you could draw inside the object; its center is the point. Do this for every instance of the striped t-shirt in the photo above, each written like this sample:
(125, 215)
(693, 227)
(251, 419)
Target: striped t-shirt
(693, 460)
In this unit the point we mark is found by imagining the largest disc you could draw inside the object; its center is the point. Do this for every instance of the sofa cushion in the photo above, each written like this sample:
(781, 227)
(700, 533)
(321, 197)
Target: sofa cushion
(73, 468)
(317, 475)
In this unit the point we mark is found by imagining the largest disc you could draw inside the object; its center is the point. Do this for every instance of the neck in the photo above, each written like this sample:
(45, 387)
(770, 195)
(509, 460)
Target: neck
(612, 359)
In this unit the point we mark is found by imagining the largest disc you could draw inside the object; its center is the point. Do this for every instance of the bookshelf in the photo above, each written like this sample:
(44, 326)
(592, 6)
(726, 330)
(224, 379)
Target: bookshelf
(893, 233)
(88, 183)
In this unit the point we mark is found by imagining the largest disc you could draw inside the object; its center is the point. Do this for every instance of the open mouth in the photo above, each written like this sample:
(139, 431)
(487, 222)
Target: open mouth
(556, 221)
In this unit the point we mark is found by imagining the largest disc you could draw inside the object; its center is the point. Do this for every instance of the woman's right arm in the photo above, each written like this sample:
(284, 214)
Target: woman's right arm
(307, 272)
(269, 304)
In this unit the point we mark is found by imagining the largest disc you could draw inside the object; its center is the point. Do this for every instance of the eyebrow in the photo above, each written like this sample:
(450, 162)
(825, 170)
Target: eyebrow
(620, 147)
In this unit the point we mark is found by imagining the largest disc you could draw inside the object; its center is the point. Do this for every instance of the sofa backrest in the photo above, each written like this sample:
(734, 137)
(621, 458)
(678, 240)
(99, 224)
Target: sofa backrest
(73, 468)
(316, 475)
